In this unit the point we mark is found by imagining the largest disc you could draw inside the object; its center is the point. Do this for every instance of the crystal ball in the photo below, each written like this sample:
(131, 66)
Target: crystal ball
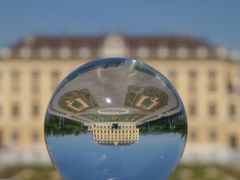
(115, 118)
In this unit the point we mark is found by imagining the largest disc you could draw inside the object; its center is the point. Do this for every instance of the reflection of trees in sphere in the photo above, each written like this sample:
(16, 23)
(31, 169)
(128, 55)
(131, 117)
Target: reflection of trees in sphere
(115, 118)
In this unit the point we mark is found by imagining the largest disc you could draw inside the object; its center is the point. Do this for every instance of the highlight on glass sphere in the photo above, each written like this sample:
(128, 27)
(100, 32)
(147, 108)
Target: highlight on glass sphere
(115, 118)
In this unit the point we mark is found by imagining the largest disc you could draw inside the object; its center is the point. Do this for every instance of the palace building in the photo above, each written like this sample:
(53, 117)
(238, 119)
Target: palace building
(207, 78)
(108, 133)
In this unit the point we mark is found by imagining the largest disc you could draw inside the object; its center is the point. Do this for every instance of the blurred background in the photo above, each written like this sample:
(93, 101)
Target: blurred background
(195, 44)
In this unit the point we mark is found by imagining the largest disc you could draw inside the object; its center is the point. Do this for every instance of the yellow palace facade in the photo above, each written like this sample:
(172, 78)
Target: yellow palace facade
(206, 77)
(126, 133)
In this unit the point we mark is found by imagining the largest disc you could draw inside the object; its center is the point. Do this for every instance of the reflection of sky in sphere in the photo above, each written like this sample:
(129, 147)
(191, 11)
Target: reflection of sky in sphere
(156, 155)
(115, 118)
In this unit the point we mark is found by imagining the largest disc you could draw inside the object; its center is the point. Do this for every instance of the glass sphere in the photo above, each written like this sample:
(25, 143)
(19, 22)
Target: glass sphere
(115, 118)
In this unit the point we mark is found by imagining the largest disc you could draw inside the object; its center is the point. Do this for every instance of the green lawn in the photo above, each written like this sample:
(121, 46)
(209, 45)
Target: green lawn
(34, 172)
(183, 172)
(201, 172)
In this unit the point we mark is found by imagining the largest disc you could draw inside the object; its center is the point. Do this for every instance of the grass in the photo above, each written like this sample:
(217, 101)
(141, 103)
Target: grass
(33, 172)
(206, 172)
(182, 172)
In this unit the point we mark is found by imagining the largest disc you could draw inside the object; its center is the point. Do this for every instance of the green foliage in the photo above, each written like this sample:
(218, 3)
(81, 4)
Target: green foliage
(62, 127)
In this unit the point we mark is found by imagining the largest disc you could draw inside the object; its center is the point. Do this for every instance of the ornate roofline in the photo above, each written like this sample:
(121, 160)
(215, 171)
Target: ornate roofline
(115, 44)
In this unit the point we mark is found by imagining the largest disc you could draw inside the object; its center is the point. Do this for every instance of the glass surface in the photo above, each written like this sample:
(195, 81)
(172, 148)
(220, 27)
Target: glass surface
(115, 118)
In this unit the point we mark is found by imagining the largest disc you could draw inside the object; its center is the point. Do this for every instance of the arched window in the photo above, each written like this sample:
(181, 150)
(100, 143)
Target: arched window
(221, 52)
(143, 52)
(5, 53)
(202, 52)
(25, 52)
(182, 52)
(45, 52)
(84, 52)
(163, 52)
(64, 52)
(234, 55)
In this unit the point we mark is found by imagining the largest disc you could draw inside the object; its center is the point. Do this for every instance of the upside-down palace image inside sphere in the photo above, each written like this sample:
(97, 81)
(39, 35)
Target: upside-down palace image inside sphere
(115, 118)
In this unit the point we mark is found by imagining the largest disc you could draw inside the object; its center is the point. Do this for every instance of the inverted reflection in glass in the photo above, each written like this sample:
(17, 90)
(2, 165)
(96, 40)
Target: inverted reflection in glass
(115, 118)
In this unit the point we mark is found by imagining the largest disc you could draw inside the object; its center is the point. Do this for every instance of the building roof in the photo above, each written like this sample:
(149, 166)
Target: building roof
(171, 42)
(60, 41)
(97, 41)
(114, 44)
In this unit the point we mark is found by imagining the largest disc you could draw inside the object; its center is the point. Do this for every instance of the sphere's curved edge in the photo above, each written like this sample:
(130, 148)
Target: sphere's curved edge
(115, 117)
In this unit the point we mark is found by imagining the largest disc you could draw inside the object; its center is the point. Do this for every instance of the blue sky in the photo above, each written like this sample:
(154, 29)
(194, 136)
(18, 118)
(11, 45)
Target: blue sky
(215, 20)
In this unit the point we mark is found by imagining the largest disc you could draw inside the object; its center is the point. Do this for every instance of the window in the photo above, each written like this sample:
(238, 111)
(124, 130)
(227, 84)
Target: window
(192, 74)
(84, 52)
(212, 109)
(193, 136)
(212, 77)
(212, 73)
(163, 52)
(233, 141)
(182, 52)
(45, 52)
(35, 109)
(35, 81)
(15, 136)
(55, 78)
(0, 112)
(0, 81)
(230, 88)
(65, 52)
(173, 73)
(5, 53)
(173, 77)
(232, 110)
(192, 109)
(213, 135)
(1, 139)
(15, 80)
(25, 52)
(192, 80)
(202, 52)
(143, 52)
(35, 136)
(15, 110)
